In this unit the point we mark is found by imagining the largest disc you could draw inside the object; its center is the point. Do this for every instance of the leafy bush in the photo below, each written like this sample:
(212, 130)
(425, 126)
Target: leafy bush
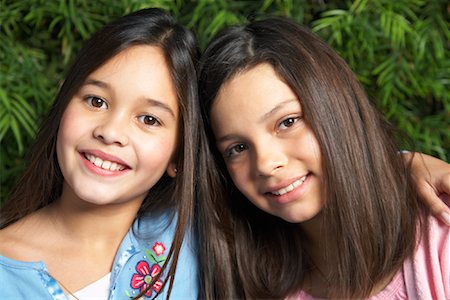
(399, 50)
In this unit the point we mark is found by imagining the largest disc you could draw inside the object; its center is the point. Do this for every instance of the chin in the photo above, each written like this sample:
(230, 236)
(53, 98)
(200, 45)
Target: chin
(299, 218)
(97, 197)
(295, 220)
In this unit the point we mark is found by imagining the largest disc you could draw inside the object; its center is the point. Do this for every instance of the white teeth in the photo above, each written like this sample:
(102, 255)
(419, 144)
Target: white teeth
(91, 158)
(113, 166)
(104, 164)
(290, 187)
(98, 162)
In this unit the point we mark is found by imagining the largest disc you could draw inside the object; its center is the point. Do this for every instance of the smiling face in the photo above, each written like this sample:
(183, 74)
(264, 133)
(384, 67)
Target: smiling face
(118, 134)
(270, 152)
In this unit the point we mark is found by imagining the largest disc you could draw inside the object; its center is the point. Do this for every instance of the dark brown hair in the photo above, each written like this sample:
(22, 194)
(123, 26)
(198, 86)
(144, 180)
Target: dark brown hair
(41, 182)
(371, 205)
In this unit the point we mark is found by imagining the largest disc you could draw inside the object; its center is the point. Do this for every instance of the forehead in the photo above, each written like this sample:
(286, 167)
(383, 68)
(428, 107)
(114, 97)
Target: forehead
(259, 87)
(137, 72)
(140, 59)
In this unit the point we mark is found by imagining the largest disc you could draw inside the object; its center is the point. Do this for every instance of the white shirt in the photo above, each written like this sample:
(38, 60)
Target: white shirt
(98, 290)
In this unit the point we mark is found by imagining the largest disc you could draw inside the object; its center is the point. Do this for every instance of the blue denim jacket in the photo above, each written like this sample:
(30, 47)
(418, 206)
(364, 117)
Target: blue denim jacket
(140, 256)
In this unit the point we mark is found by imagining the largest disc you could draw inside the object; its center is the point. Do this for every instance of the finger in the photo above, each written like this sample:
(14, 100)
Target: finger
(443, 185)
(436, 204)
(445, 214)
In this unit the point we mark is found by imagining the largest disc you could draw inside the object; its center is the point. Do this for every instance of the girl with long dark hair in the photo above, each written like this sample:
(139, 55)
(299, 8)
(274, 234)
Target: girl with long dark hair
(105, 203)
(317, 201)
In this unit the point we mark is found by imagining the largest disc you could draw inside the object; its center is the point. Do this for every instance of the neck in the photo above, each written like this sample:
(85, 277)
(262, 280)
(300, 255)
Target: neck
(317, 243)
(315, 234)
(90, 224)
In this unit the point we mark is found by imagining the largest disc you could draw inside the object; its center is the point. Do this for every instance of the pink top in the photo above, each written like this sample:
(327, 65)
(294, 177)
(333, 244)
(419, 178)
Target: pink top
(424, 276)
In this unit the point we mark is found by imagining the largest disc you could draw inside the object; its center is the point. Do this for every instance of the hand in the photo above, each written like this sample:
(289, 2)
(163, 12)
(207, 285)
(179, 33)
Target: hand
(432, 178)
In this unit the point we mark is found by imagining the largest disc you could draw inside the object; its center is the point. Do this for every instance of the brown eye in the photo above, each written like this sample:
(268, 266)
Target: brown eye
(288, 122)
(149, 120)
(235, 150)
(96, 102)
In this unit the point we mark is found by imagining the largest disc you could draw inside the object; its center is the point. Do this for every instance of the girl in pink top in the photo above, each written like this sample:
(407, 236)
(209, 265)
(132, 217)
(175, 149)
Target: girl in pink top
(322, 205)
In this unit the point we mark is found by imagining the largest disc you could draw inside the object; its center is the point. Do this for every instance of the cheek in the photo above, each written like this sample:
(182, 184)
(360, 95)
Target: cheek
(239, 174)
(155, 153)
(74, 128)
(306, 148)
(65, 134)
(315, 152)
(70, 128)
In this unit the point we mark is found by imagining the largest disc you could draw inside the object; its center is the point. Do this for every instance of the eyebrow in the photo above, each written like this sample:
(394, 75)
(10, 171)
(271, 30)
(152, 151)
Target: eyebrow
(275, 109)
(150, 101)
(224, 138)
(98, 83)
(161, 105)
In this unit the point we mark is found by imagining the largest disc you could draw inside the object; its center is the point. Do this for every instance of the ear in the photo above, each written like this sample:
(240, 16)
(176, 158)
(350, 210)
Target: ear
(172, 170)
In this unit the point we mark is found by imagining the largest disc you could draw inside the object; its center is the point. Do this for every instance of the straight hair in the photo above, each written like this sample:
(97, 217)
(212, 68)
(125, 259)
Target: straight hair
(41, 182)
(371, 206)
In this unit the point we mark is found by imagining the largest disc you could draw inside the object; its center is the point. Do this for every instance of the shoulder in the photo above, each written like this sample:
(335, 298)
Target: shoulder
(427, 273)
(161, 222)
(161, 225)
(434, 243)
(24, 238)
(156, 232)
(436, 236)
(13, 238)
(144, 252)
(21, 280)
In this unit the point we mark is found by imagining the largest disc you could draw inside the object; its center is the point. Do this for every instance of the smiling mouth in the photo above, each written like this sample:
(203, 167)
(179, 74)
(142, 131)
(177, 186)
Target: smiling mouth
(104, 164)
(290, 187)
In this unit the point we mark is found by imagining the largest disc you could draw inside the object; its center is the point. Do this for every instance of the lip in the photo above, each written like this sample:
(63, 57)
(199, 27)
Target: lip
(292, 195)
(284, 184)
(104, 156)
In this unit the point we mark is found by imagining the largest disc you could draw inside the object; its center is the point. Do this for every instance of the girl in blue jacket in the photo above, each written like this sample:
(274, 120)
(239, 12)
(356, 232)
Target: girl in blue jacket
(104, 204)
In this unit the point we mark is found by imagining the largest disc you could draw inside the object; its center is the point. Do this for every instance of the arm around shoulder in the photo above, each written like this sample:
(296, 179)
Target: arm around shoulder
(432, 178)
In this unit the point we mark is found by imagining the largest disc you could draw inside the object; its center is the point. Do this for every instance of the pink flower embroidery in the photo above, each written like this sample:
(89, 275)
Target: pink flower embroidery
(144, 276)
(158, 248)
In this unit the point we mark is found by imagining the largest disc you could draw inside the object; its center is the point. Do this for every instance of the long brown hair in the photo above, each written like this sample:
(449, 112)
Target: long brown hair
(371, 205)
(41, 182)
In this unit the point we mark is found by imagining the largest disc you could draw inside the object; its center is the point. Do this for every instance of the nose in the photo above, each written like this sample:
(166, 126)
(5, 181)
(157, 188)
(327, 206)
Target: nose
(269, 158)
(112, 130)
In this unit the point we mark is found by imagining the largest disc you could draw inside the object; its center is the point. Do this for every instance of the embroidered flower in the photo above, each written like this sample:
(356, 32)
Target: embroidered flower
(158, 248)
(144, 276)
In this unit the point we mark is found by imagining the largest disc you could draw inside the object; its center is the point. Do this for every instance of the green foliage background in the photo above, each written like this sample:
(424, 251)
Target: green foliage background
(398, 49)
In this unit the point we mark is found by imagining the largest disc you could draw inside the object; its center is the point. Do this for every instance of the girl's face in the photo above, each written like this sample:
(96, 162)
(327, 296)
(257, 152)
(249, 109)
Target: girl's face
(118, 134)
(270, 152)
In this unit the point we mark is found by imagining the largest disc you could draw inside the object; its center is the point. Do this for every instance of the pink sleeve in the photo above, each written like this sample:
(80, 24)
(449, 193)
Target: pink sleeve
(427, 274)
